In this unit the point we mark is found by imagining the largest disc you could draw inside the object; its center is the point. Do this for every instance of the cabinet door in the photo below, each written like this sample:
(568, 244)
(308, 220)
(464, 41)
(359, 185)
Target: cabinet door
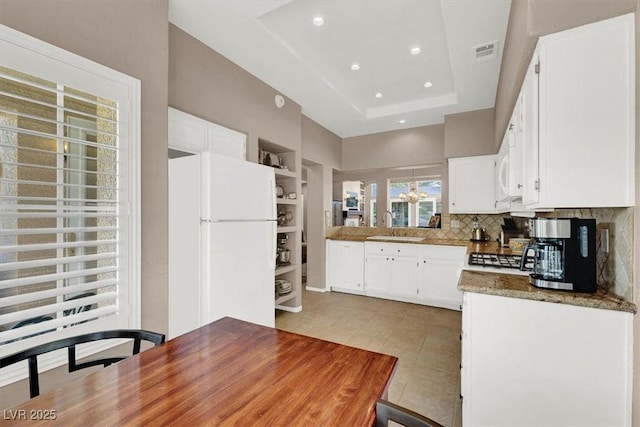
(526, 360)
(378, 273)
(346, 265)
(439, 284)
(472, 184)
(587, 115)
(502, 174)
(404, 273)
(529, 114)
(440, 268)
(515, 152)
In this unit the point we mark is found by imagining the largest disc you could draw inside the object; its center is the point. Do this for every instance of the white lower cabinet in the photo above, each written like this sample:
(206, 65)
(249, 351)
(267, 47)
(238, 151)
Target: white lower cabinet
(345, 266)
(440, 268)
(417, 273)
(536, 363)
(391, 270)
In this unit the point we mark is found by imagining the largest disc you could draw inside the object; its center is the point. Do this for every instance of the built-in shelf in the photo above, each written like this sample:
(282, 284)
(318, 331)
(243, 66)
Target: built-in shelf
(285, 269)
(283, 299)
(283, 201)
(285, 172)
(289, 181)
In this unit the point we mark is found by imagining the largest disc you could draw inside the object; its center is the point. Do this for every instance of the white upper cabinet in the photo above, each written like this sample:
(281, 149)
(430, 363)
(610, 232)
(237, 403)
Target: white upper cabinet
(584, 151)
(472, 184)
(509, 173)
(529, 114)
(194, 135)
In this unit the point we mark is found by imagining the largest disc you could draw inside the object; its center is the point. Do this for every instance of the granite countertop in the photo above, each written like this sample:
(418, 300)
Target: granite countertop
(426, 241)
(508, 285)
(484, 247)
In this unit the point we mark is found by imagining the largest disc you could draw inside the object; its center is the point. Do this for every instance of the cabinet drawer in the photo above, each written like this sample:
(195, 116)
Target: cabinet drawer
(372, 248)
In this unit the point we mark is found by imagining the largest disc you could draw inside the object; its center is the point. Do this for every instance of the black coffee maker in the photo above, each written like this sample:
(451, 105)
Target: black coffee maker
(564, 254)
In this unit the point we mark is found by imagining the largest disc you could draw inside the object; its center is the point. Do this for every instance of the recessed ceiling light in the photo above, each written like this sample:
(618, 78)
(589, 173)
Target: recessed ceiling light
(415, 50)
(428, 84)
(378, 95)
(403, 121)
(318, 21)
(355, 66)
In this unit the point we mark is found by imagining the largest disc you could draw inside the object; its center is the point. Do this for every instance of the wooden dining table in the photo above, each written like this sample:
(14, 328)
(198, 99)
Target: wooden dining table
(226, 373)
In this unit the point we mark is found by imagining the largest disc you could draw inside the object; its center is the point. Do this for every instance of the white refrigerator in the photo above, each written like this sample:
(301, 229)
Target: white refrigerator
(238, 225)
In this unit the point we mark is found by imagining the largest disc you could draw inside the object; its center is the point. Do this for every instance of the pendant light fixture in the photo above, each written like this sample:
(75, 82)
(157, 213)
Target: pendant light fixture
(413, 196)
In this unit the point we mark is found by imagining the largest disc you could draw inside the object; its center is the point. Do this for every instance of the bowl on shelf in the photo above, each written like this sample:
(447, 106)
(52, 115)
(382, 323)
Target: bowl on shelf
(283, 287)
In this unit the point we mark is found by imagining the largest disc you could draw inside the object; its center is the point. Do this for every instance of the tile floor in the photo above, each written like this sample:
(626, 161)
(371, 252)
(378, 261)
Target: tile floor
(425, 339)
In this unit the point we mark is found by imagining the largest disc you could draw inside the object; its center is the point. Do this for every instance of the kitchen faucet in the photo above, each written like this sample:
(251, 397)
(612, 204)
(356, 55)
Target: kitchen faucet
(391, 220)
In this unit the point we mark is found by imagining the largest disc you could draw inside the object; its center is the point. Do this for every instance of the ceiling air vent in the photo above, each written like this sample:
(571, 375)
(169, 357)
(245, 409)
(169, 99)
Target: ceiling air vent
(486, 51)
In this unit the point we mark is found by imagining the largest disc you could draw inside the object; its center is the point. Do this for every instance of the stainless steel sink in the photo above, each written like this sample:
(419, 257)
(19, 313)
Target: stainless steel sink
(397, 238)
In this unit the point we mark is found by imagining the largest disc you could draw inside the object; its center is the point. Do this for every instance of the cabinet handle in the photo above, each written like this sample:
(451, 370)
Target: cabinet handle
(387, 259)
(519, 185)
(398, 250)
(393, 259)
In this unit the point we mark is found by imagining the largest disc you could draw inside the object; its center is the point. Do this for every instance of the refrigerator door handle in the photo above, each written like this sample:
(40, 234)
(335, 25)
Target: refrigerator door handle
(272, 188)
(274, 252)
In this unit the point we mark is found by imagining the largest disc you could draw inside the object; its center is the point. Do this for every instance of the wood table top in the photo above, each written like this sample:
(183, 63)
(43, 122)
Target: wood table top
(228, 372)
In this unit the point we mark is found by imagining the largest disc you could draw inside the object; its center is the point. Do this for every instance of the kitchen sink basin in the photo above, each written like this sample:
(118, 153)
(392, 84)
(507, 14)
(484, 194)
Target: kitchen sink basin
(397, 238)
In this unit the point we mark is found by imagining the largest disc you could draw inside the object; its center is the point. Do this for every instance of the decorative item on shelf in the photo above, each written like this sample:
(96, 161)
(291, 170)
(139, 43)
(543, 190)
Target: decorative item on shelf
(269, 159)
(284, 217)
(283, 287)
(351, 199)
(280, 190)
(284, 256)
(291, 195)
(413, 196)
(434, 221)
(283, 238)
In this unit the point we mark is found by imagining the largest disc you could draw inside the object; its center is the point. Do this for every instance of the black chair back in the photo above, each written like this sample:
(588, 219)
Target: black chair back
(387, 411)
(70, 343)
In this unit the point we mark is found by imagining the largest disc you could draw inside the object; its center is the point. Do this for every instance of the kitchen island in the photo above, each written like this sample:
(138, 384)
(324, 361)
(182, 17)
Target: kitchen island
(543, 357)
(514, 286)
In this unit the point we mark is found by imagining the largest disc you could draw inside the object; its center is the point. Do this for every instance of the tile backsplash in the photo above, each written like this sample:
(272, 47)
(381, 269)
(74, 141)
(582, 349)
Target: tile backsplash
(615, 269)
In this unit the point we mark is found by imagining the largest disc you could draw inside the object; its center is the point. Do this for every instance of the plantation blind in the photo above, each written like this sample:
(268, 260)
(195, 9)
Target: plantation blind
(68, 176)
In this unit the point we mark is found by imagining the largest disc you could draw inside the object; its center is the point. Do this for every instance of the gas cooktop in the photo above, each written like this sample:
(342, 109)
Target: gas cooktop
(495, 260)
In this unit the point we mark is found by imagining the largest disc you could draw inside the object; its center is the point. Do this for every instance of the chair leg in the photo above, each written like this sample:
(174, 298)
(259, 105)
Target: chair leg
(136, 345)
(34, 384)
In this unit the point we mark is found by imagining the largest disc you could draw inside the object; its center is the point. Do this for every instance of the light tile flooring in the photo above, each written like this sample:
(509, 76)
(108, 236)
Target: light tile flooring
(425, 339)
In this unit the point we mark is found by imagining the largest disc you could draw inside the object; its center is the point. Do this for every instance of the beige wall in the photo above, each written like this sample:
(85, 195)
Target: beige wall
(415, 146)
(636, 237)
(131, 37)
(469, 134)
(206, 84)
(320, 145)
(321, 152)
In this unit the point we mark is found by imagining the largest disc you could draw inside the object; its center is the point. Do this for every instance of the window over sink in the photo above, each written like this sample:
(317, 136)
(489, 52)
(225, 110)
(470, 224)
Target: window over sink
(418, 214)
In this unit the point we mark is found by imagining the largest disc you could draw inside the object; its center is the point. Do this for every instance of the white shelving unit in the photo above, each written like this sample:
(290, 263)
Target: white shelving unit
(290, 179)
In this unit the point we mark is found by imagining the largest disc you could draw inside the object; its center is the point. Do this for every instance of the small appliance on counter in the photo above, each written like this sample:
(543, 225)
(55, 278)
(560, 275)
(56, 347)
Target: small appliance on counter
(510, 231)
(564, 253)
(478, 234)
